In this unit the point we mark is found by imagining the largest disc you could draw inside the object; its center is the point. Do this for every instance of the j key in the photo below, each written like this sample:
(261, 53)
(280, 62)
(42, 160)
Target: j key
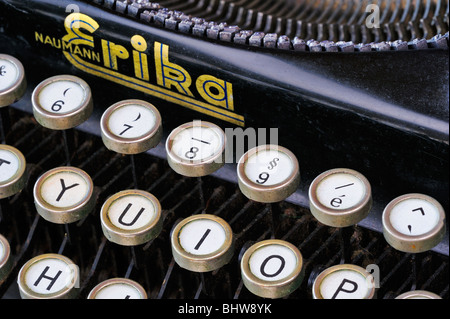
(118, 288)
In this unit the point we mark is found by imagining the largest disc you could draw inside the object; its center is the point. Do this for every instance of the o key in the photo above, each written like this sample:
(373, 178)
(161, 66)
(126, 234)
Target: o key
(202, 243)
(13, 83)
(196, 148)
(5, 258)
(12, 171)
(62, 102)
(118, 288)
(413, 223)
(340, 197)
(418, 294)
(63, 195)
(131, 217)
(344, 281)
(131, 127)
(268, 173)
(49, 276)
(272, 268)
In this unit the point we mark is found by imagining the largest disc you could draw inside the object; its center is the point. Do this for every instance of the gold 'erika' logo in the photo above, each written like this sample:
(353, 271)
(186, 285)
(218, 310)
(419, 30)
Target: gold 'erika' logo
(173, 82)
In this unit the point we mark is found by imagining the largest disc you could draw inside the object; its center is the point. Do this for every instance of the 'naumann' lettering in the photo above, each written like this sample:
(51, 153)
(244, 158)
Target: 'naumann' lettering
(171, 81)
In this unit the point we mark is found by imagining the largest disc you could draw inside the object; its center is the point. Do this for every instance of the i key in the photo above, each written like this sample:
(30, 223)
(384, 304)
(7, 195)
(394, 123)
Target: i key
(202, 243)
(62, 102)
(49, 276)
(340, 198)
(131, 127)
(414, 223)
(118, 288)
(268, 174)
(196, 149)
(13, 85)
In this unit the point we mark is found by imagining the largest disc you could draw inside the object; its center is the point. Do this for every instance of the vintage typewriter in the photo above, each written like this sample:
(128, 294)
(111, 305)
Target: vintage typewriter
(362, 85)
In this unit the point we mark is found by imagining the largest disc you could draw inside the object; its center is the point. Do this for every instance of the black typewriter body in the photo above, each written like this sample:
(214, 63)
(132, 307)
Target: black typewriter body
(341, 101)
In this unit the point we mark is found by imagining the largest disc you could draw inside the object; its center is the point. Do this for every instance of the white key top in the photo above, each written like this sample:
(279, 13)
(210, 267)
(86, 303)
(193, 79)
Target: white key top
(131, 127)
(48, 276)
(340, 197)
(413, 223)
(13, 175)
(272, 268)
(131, 217)
(118, 288)
(202, 243)
(13, 83)
(268, 173)
(196, 148)
(62, 102)
(64, 195)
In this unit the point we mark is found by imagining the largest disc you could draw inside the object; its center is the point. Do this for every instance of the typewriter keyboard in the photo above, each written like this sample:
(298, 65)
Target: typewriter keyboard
(120, 256)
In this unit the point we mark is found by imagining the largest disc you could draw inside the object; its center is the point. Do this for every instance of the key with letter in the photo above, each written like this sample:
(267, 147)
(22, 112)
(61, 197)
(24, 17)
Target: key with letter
(202, 243)
(131, 217)
(49, 276)
(64, 195)
(344, 281)
(118, 288)
(340, 198)
(272, 268)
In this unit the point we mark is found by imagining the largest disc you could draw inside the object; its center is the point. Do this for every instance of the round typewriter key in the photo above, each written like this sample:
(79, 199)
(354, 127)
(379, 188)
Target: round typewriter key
(202, 243)
(268, 173)
(340, 197)
(131, 217)
(118, 288)
(62, 102)
(5, 258)
(131, 127)
(48, 276)
(418, 294)
(13, 83)
(12, 171)
(272, 268)
(344, 281)
(64, 195)
(196, 148)
(413, 223)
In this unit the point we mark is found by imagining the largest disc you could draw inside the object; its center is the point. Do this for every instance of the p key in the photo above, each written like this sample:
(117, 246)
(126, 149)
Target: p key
(48, 276)
(202, 243)
(118, 288)
(344, 281)
(64, 195)
(131, 217)
(272, 268)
